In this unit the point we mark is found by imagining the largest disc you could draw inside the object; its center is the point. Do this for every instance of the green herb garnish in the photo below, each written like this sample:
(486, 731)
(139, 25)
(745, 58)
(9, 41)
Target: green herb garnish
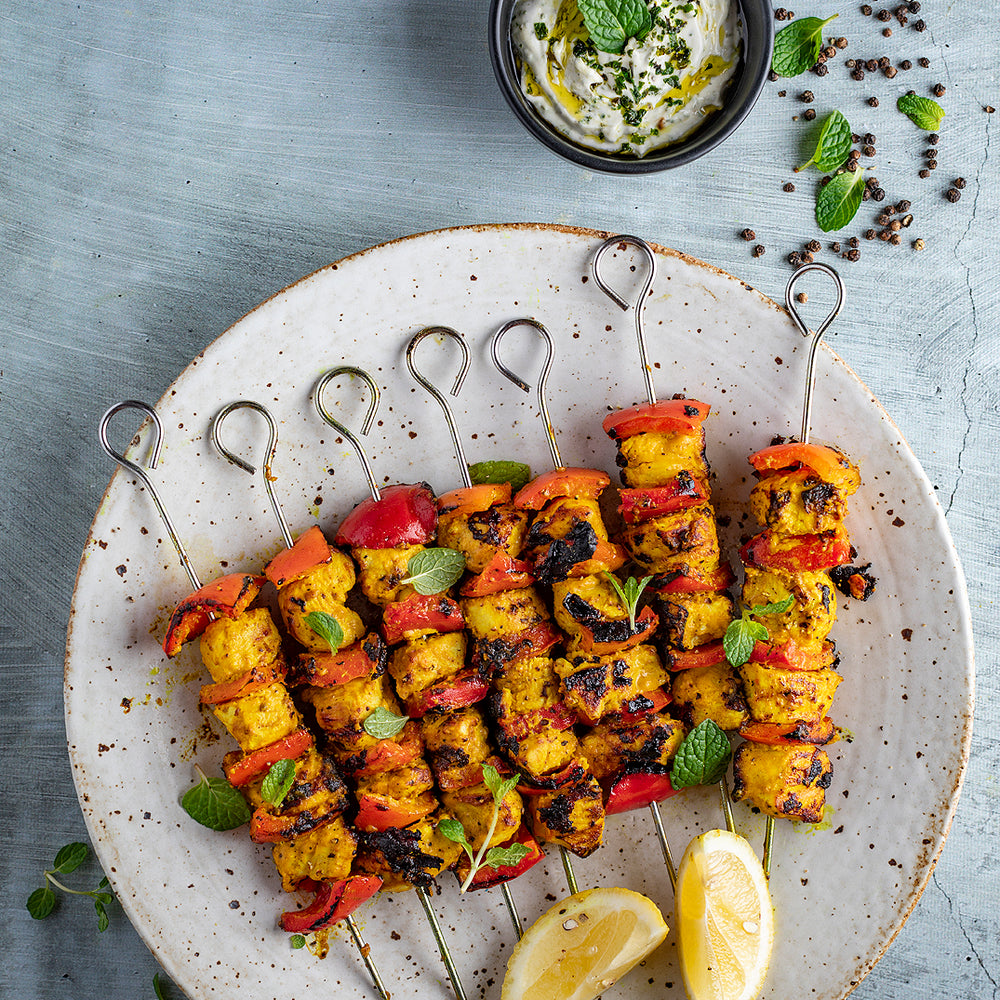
(214, 803)
(922, 111)
(297, 941)
(702, 758)
(629, 594)
(796, 46)
(612, 23)
(277, 782)
(838, 201)
(159, 989)
(383, 724)
(434, 570)
(516, 473)
(832, 146)
(327, 628)
(43, 900)
(744, 632)
(495, 857)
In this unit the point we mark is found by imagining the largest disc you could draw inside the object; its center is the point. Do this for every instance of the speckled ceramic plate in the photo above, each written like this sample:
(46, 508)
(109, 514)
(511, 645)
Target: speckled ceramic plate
(207, 903)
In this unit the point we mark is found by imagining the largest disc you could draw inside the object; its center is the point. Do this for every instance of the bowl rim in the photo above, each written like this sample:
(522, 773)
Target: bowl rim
(757, 23)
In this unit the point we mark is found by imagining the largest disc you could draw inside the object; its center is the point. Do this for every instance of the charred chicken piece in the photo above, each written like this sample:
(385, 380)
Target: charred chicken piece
(783, 696)
(813, 611)
(571, 815)
(652, 458)
(695, 618)
(683, 542)
(714, 692)
(479, 535)
(784, 782)
(798, 503)
(408, 857)
(644, 744)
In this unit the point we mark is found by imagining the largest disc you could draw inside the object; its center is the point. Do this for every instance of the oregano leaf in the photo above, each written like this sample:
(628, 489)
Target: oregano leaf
(796, 46)
(838, 201)
(922, 111)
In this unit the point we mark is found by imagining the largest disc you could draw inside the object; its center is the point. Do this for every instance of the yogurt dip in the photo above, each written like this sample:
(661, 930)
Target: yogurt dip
(658, 90)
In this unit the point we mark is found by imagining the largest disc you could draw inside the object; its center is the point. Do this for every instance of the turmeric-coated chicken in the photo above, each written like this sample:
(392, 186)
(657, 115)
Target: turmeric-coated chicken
(652, 458)
(787, 782)
(714, 692)
(684, 542)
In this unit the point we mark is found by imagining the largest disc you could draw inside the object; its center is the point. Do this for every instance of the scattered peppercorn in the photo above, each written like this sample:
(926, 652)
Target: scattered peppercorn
(903, 206)
(919, 25)
(854, 243)
(789, 186)
(758, 251)
(895, 239)
(883, 15)
(814, 246)
(748, 235)
(933, 138)
(830, 51)
(807, 258)
(906, 64)
(870, 138)
(871, 65)
(938, 90)
(868, 150)
(857, 74)
(989, 109)
(781, 14)
(923, 61)
(802, 298)
(782, 93)
(932, 153)
(873, 102)
(807, 97)
(772, 76)
(878, 194)
(918, 244)
(887, 32)
(924, 174)
(853, 255)
(841, 42)
(809, 114)
(850, 64)
(884, 235)
(907, 221)
(883, 61)
(821, 69)
(866, 9)
(895, 225)
(959, 182)
(835, 247)
(932, 164)
(914, 6)
(795, 258)
(823, 181)
(890, 72)
(883, 219)
(953, 195)
(870, 234)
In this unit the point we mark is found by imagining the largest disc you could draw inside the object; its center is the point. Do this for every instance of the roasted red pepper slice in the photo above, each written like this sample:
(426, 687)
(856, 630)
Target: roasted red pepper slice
(720, 579)
(310, 549)
(783, 734)
(586, 484)
(701, 656)
(488, 877)
(241, 768)
(830, 465)
(535, 640)
(473, 499)
(663, 417)
(229, 596)
(366, 658)
(419, 611)
(792, 656)
(501, 573)
(387, 755)
(640, 505)
(405, 515)
(377, 813)
(457, 692)
(632, 791)
(254, 679)
(654, 701)
(804, 553)
(603, 635)
(333, 902)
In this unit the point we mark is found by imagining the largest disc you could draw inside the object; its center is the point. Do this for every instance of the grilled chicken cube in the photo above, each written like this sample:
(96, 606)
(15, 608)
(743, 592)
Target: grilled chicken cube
(595, 685)
(713, 692)
(813, 611)
(499, 616)
(418, 664)
(341, 710)
(615, 746)
(259, 718)
(231, 647)
(798, 503)
(541, 753)
(411, 786)
(684, 542)
(323, 588)
(586, 600)
(325, 853)
(458, 745)
(481, 535)
(382, 571)
(784, 696)
(693, 619)
(568, 538)
(316, 795)
(788, 782)
(653, 458)
(571, 816)
(473, 808)
(408, 857)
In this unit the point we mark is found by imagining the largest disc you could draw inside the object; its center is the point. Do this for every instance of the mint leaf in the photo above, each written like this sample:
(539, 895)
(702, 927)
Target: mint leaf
(277, 782)
(833, 145)
(702, 758)
(214, 803)
(434, 570)
(41, 902)
(383, 724)
(516, 473)
(739, 640)
(774, 608)
(327, 628)
(297, 941)
(612, 23)
(838, 201)
(498, 857)
(922, 111)
(70, 858)
(454, 831)
(499, 788)
(628, 593)
(796, 46)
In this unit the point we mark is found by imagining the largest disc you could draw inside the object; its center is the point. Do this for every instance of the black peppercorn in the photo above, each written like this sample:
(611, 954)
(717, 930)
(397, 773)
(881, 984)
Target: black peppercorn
(878, 194)
(890, 71)
(919, 26)
(814, 246)
(868, 150)
(938, 90)
(870, 138)
(873, 102)
(807, 97)
(906, 64)
(853, 255)
(830, 51)
(895, 225)
(903, 206)
(924, 174)
(883, 15)
(835, 247)
(887, 32)
(758, 251)
(789, 186)
(866, 9)
(870, 234)
(772, 76)
(895, 239)
(748, 235)
(795, 258)
(933, 138)
(913, 6)
(841, 43)
(780, 14)
(883, 62)
(953, 195)
(858, 74)
(932, 164)
(959, 182)
(931, 153)
(924, 61)
(871, 65)
(809, 114)
(883, 219)
(821, 69)
(854, 243)
(806, 258)
(884, 235)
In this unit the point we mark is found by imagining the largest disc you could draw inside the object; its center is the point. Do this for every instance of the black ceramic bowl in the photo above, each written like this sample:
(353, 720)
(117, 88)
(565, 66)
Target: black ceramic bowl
(757, 23)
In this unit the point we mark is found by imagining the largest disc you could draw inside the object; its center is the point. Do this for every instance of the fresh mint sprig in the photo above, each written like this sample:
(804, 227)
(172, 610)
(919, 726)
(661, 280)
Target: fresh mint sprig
(214, 803)
(702, 758)
(494, 857)
(629, 593)
(278, 782)
(612, 23)
(796, 46)
(434, 570)
(43, 900)
(383, 724)
(922, 111)
(832, 145)
(744, 632)
(838, 201)
(500, 471)
(327, 628)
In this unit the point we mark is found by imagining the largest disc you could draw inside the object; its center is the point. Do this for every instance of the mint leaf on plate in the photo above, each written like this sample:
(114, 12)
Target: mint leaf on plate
(702, 758)
(214, 803)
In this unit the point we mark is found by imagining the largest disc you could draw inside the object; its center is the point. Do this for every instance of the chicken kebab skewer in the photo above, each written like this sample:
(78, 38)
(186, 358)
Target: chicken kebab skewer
(241, 648)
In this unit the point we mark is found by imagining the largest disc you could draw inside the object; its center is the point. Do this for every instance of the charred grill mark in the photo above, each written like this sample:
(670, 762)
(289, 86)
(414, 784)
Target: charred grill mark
(610, 630)
(377, 651)
(854, 581)
(560, 555)
(484, 526)
(447, 757)
(558, 815)
(298, 602)
(398, 850)
(820, 499)
(640, 703)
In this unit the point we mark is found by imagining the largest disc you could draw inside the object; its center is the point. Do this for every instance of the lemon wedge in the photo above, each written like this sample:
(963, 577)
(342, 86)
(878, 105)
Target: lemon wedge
(725, 924)
(583, 945)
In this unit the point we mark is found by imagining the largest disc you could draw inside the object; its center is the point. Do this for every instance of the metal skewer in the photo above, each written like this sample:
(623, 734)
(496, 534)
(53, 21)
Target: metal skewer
(456, 440)
(324, 412)
(152, 457)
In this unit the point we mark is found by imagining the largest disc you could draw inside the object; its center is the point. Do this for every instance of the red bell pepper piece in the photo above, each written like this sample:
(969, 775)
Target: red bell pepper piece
(405, 515)
(706, 655)
(229, 596)
(501, 573)
(719, 579)
(310, 549)
(601, 635)
(473, 499)
(419, 611)
(487, 877)
(365, 658)
(638, 505)
(792, 656)
(254, 679)
(535, 640)
(241, 768)
(586, 484)
(663, 417)
(797, 552)
(830, 465)
(377, 813)
(784, 734)
(387, 755)
(334, 901)
(632, 791)
(457, 692)
(657, 700)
